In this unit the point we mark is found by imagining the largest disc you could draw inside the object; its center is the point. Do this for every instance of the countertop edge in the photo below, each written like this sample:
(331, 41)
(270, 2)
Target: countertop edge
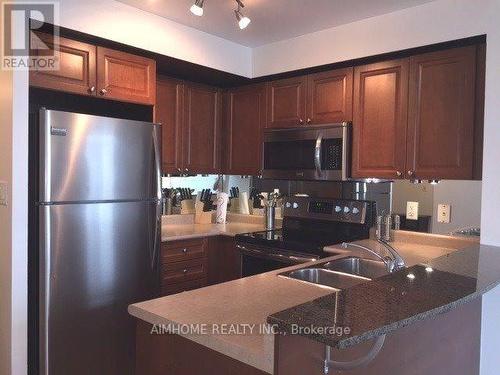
(246, 356)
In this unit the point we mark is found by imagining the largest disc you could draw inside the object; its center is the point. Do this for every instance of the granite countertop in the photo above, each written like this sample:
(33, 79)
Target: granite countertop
(394, 301)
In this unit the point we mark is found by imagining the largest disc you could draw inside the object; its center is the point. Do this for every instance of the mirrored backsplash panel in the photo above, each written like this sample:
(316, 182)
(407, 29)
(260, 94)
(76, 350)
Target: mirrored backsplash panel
(441, 208)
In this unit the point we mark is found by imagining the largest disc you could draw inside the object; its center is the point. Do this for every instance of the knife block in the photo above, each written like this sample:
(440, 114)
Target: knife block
(187, 207)
(200, 216)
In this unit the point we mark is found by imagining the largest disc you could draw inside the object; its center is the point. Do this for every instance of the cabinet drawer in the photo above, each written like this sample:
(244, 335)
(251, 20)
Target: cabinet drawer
(182, 287)
(179, 251)
(183, 271)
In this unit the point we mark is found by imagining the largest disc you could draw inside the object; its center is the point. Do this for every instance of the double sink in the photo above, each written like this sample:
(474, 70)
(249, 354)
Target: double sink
(341, 273)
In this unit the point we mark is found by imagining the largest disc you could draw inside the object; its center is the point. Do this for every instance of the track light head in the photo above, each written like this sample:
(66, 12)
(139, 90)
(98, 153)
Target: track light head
(243, 21)
(197, 8)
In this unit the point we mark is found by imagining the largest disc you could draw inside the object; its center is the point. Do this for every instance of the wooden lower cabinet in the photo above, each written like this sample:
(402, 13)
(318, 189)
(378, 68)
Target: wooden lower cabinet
(175, 355)
(446, 344)
(192, 264)
(224, 260)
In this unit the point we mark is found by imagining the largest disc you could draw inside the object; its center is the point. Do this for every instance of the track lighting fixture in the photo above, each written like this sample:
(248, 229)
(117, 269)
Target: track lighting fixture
(243, 21)
(197, 8)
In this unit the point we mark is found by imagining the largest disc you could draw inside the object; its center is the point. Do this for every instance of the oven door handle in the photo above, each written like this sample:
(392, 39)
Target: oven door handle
(317, 153)
(279, 257)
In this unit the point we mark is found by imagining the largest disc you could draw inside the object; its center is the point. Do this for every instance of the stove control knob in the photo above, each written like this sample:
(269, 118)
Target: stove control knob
(355, 211)
(288, 205)
(346, 210)
(295, 205)
(338, 208)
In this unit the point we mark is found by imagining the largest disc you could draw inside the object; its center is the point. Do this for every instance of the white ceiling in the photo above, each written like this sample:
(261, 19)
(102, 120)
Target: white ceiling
(272, 20)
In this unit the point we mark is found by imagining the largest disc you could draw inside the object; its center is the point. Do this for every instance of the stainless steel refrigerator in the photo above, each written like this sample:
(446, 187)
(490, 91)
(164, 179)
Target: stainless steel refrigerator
(99, 238)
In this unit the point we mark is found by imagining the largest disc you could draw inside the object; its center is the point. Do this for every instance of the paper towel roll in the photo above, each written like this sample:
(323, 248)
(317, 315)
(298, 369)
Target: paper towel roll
(221, 203)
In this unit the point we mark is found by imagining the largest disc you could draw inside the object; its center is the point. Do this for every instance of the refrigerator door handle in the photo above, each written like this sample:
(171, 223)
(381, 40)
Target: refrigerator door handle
(157, 161)
(157, 231)
(44, 292)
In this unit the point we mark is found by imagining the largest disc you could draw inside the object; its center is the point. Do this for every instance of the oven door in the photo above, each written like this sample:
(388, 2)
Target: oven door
(260, 259)
(315, 153)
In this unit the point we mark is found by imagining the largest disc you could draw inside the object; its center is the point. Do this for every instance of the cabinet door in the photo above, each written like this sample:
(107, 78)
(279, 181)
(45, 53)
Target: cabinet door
(329, 96)
(380, 119)
(245, 115)
(77, 66)
(224, 260)
(201, 129)
(125, 77)
(286, 102)
(441, 114)
(169, 112)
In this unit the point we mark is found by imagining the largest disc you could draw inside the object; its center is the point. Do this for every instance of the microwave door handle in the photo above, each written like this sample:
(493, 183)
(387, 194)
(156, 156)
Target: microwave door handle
(317, 153)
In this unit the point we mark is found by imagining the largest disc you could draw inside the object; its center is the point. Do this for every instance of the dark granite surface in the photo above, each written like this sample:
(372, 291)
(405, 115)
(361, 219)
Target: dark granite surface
(394, 301)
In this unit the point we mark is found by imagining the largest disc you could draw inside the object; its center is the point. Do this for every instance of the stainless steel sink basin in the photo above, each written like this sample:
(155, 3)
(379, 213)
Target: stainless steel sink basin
(368, 268)
(321, 276)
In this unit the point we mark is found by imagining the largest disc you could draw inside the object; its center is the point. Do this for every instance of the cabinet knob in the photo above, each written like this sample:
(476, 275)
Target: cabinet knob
(91, 89)
(399, 173)
(185, 271)
(410, 173)
(184, 251)
(103, 92)
(301, 121)
(308, 120)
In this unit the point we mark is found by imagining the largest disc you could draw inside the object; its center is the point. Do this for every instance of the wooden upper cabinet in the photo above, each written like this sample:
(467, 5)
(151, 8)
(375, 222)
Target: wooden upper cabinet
(329, 96)
(380, 119)
(441, 114)
(286, 102)
(201, 129)
(169, 112)
(76, 72)
(245, 116)
(125, 77)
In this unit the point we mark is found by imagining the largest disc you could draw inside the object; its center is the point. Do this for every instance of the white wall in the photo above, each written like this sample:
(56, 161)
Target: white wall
(122, 23)
(5, 220)
(430, 23)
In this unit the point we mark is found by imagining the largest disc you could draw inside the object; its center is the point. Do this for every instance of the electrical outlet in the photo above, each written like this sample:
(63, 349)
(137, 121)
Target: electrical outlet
(443, 214)
(3, 193)
(412, 210)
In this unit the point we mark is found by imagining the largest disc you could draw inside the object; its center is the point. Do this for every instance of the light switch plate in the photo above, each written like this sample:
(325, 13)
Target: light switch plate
(3, 193)
(412, 210)
(443, 214)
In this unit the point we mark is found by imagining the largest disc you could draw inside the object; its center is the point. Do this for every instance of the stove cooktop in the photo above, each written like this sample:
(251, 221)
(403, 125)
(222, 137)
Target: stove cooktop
(288, 241)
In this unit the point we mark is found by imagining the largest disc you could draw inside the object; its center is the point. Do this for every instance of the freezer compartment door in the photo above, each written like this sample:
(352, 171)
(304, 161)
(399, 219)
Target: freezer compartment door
(95, 260)
(92, 158)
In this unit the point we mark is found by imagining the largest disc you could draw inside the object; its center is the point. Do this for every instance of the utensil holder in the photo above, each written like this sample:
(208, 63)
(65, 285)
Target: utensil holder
(270, 217)
(187, 206)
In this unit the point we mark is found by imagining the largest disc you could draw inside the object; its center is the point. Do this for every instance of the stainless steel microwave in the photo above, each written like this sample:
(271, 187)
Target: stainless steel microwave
(312, 153)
